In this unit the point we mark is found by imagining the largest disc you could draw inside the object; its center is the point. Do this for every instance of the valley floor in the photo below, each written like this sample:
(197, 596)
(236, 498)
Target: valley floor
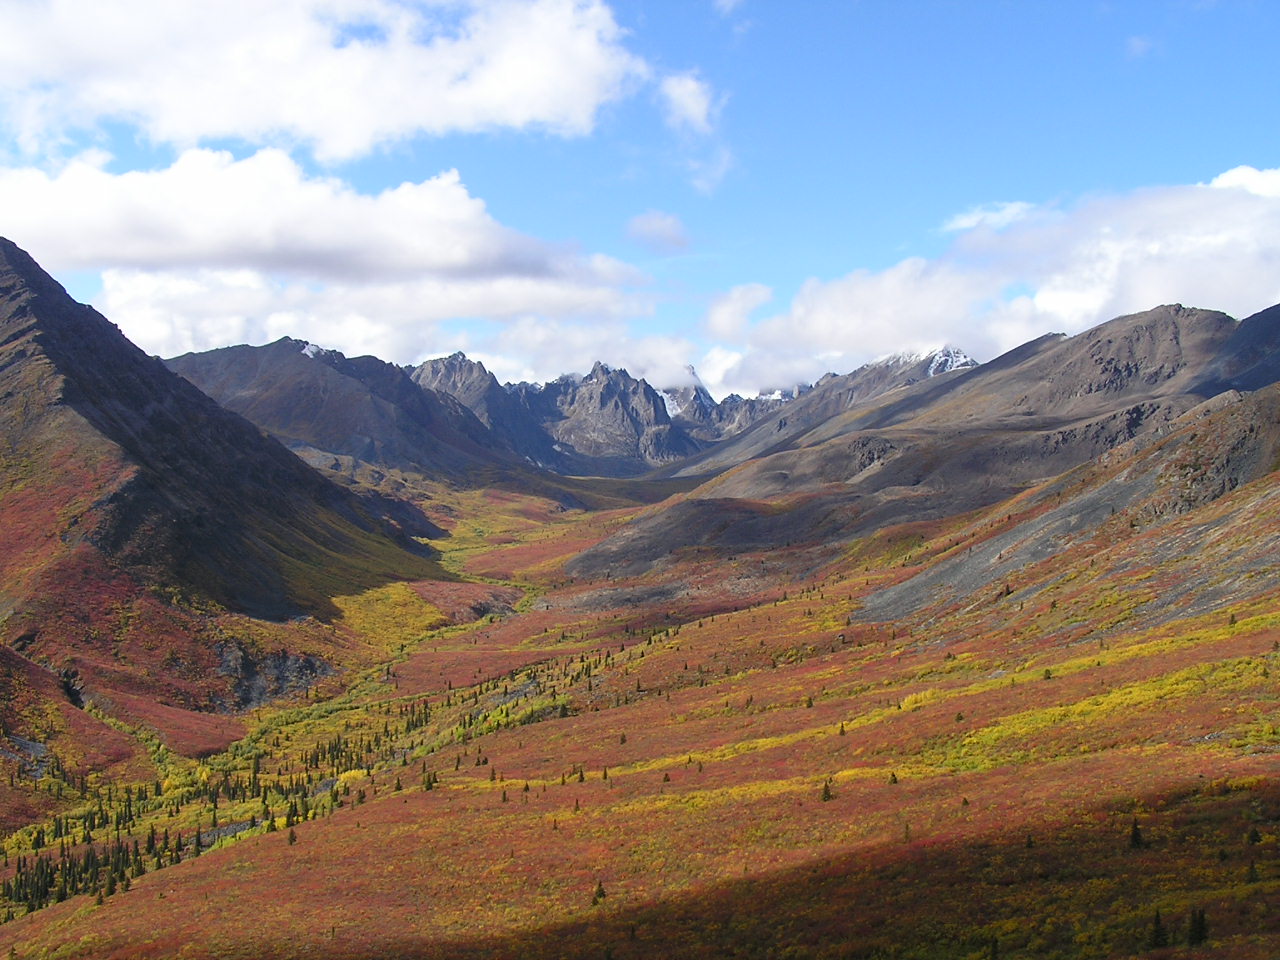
(727, 756)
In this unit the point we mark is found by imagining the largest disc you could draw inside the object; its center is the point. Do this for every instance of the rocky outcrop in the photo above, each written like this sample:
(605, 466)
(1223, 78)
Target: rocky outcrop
(696, 411)
(606, 423)
(258, 678)
(510, 422)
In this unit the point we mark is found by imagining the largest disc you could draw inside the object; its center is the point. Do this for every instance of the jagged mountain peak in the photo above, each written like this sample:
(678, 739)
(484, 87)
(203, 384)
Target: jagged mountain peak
(321, 403)
(934, 361)
(689, 399)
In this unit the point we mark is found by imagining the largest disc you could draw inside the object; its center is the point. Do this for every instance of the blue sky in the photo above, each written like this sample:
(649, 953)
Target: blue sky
(766, 190)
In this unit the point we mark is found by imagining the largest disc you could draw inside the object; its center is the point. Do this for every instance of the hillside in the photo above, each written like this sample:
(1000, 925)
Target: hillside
(1035, 726)
(606, 423)
(145, 526)
(835, 467)
(971, 665)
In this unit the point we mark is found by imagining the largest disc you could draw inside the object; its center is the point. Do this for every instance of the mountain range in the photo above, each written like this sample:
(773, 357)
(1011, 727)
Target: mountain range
(460, 420)
(309, 655)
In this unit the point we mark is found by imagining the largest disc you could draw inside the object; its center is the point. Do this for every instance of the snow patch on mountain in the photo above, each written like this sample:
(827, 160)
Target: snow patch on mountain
(948, 359)
(937, 361)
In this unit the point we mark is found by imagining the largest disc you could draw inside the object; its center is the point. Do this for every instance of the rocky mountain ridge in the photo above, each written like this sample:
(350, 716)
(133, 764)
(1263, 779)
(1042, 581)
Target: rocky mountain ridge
(609, 423)
(853, 457)
(321, 403)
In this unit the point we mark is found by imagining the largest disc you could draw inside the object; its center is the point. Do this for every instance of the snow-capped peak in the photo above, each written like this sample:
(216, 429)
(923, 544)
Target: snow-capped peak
(937, 361)
(948, 359)
(690, 397)
(311, 350)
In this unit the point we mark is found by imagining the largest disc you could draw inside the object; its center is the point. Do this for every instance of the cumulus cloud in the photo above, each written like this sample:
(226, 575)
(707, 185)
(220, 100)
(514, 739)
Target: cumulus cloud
(727, 318)
(175, 311)
(661, 232)
(212, 250)
(340, 76)
(1263, 183)
(688, 102)
(1016, 271)
(264, 212)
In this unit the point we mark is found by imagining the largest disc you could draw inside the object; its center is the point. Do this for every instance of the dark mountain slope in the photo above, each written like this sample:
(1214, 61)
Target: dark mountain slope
(367, 424)
(319, 402)
(1200, 504)
(606, 423)
(1031, 414)
(510, 422)
(129, 501)
(829, 398)
(1250, 358)
(940, 447)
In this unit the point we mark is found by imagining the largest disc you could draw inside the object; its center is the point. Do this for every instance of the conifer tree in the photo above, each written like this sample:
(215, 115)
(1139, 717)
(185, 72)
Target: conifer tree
(1198, 931)
(1158, 937)
(1135, 836)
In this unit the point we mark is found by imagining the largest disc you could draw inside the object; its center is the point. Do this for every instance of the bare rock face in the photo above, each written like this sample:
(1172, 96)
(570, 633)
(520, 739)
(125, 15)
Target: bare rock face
(258, 678)
(607, 419)
(696, 411)
(319, 400)
(510, 422)
(606, 423)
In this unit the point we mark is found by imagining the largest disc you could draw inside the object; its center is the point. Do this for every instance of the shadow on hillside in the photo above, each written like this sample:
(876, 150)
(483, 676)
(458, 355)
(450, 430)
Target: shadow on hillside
(1090, 890)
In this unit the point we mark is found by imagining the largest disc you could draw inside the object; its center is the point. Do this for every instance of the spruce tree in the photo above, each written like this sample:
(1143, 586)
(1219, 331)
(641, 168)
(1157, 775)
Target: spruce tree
(1158, 937)
(1135, 836)
(1198, 932)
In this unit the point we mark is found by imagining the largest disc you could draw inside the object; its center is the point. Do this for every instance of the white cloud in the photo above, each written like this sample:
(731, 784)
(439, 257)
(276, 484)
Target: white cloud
(176, 311)
(1263, 183)
(1009, 278)
(688, 102)
(659, 231)
(211, 249)
(992, 216)
(264, 212)
(340, 76)
(726, 7)
(716, 368)
(692, 110)
(727, 318)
